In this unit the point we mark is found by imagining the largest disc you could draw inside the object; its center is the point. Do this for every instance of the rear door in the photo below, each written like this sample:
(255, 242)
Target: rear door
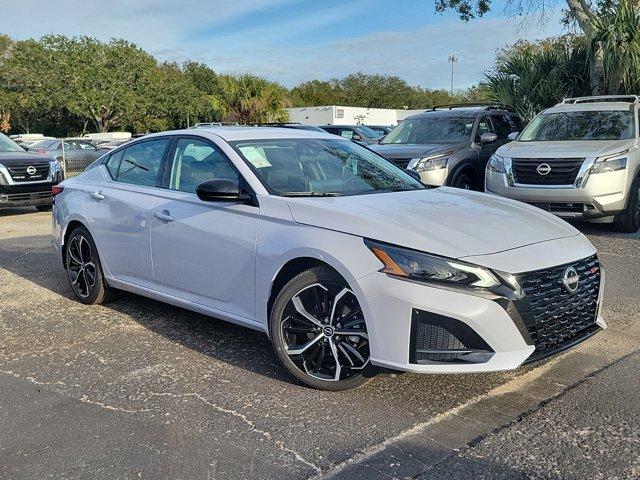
(203, 252)
(119, 210)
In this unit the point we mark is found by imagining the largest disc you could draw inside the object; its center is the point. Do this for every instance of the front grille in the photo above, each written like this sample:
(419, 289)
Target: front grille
(19, 173)
(400, 162)
(556, 316)
(563, 170)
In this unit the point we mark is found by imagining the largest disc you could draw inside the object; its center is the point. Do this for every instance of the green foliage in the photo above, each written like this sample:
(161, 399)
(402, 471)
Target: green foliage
(251, 99)
(615, 44)
(533, 76)
(375, 91)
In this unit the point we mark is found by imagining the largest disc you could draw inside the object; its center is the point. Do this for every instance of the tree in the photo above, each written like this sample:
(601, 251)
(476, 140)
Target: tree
(588, 16)
(252, 100)
(533, 76)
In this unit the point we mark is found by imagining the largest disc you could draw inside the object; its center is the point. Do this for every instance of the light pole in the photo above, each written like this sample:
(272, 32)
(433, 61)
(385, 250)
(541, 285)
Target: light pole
(453, 59)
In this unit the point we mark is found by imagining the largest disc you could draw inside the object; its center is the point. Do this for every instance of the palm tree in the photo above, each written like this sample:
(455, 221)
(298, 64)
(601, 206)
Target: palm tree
(251, 99)
(614, 49)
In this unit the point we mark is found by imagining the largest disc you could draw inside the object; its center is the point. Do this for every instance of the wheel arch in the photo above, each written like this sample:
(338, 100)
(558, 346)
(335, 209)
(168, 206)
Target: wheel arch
(466, 165)
(68, 229)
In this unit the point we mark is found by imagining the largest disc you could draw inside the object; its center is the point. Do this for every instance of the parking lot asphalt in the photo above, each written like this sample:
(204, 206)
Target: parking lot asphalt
(140, 389)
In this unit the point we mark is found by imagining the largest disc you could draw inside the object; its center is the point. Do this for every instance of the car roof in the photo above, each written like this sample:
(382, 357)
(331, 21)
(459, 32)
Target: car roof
(231, 134)
(589, 107)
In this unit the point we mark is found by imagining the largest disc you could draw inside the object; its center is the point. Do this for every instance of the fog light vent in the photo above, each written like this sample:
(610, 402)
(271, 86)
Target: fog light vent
(436, 338)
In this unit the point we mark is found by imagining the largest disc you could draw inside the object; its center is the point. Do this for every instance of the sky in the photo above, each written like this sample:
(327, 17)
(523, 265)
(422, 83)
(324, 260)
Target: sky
(292, 41)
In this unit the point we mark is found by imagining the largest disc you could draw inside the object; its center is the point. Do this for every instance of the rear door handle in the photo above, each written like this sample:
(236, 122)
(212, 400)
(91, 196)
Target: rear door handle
(97, 196)
(164, 216)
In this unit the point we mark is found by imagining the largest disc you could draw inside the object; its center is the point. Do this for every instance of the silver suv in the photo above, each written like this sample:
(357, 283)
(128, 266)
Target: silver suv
(579, 159)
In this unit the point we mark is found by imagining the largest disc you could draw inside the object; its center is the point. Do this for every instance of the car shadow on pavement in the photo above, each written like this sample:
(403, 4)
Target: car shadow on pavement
(33, 259)
(9, 212)
(603, 230)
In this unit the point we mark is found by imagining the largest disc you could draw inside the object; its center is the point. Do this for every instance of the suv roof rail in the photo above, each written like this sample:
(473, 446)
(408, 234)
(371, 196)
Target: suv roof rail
(488, 106)
(602, 98)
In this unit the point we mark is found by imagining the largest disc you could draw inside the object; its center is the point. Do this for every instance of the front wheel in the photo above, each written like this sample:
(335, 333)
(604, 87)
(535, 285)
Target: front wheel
(319, 332)
(465, 181)
(83, 268)
(629, 222)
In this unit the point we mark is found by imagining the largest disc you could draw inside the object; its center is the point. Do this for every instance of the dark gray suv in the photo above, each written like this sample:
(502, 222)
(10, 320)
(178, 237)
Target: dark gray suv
(450, 145)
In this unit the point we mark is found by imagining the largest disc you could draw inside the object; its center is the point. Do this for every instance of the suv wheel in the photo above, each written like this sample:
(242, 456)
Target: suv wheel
(319, 332)
(465, 181)
(629, 221)
(83, 268)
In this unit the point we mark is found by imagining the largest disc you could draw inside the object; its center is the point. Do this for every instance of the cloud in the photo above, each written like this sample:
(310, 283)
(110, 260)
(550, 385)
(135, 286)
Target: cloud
(259, 36)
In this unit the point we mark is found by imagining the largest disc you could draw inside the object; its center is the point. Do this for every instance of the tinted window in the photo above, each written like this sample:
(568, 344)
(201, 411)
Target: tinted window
(196, 161)
(308, 167)
(431, 129)
(114, 163)
(502, 126)
(585, 125)
(140, 163)
(484, 126)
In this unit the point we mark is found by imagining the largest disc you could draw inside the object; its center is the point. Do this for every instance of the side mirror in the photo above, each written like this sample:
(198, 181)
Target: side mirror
(221, 190)
(513, 135)
(356, 138)
(487, 137)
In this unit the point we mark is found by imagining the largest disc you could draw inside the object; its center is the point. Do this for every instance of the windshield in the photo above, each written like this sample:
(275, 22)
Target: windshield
(8, 145)
(322, 167)
(431, 129)
(367, 132)
(45, 144)
(585, 125)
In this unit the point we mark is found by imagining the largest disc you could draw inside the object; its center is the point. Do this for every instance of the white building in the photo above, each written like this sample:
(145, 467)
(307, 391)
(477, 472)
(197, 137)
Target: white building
(337, 115)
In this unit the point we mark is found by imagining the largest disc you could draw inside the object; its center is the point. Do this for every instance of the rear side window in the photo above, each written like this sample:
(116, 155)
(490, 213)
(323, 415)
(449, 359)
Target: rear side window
(138, 164)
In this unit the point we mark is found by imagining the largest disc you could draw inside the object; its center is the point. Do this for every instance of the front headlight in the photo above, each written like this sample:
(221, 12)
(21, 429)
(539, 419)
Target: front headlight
(604, 165)
(422, 267)
(496, 164)
(425, 164)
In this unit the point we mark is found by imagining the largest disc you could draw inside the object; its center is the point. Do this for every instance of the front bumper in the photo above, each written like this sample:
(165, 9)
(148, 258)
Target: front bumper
(434, 178)
(26, 199)
(498, 327)
(600, 195)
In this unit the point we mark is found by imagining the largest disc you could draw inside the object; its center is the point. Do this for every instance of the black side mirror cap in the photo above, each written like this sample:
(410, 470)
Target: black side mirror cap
(221, 190)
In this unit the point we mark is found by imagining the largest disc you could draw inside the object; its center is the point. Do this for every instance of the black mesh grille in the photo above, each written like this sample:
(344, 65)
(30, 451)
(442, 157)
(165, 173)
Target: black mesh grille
(435, 337)
(558, 316)
(563, 170)
(19, 171)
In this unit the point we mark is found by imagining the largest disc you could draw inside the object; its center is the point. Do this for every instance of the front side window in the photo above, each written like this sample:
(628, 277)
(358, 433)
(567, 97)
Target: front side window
(502, 125)
(431, 129)
(196, 161)
(138, 164)
(322, 167)
(580, 125)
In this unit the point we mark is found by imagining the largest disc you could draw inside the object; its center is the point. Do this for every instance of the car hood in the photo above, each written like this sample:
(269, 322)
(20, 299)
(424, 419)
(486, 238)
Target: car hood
(413, 150)
(445, 221)
(9, 158)
(573, 149)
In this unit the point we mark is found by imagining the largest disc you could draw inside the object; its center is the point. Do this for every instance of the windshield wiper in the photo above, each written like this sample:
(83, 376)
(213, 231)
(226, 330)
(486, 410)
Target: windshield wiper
(311, 194)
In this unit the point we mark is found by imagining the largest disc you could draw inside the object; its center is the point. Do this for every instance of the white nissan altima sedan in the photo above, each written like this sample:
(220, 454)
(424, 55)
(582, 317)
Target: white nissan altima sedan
(347, 262)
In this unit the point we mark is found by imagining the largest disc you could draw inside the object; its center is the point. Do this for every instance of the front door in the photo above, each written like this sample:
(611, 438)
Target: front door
(203, 252)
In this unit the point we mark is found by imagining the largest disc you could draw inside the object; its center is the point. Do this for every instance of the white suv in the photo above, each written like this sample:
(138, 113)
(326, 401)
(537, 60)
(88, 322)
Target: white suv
(579, 159)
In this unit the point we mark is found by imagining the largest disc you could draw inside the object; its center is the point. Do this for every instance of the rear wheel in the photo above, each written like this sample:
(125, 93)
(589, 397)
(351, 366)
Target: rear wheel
(319, 332)
(44, 208)
(629, 221)
(83, 268)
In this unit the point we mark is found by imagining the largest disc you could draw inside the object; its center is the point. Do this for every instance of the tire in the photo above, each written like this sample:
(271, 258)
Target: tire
(84, 270)
(629, 221)
(44, 208)
(465, 180)
(300, 320)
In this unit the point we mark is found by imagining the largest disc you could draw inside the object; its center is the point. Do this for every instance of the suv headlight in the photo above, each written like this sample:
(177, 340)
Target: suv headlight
(496, 164)
(425, 164)
(609, 164)
(422, 267)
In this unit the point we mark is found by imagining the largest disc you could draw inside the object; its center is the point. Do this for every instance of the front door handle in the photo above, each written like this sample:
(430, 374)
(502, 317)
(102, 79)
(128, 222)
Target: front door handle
(97, 196)
(164, 215)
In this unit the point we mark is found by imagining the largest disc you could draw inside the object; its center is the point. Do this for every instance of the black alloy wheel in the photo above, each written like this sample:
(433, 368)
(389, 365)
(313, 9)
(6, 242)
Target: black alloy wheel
(83, 268)
(319, 331)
